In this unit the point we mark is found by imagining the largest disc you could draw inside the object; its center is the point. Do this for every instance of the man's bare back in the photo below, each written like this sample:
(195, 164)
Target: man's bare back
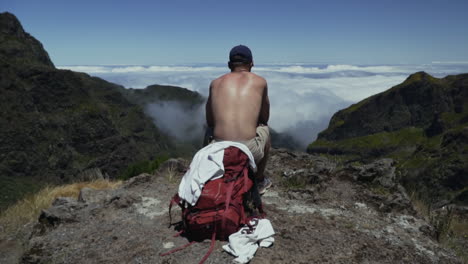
(238, 109)
(237, 104)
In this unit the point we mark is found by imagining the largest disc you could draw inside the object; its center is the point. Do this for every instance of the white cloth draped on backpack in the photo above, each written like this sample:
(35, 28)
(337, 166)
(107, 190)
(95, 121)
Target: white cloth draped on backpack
(207, 164)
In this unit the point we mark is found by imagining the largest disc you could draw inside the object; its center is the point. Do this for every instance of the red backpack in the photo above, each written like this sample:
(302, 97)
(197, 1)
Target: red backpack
(220, 209)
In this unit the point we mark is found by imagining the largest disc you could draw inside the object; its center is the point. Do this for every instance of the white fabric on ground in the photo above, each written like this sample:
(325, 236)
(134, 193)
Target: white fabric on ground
(244, 245)
(207, 164)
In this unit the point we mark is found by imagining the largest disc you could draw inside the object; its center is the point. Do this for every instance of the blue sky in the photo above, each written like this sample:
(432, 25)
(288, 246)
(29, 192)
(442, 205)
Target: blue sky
(196, 31)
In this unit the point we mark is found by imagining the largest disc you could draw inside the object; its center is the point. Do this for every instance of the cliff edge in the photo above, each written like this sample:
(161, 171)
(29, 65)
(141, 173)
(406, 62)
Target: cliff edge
(321, 214)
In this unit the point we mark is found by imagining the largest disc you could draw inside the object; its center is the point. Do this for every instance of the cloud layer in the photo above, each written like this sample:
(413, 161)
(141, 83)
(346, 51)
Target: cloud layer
(303, 96)
(178, 120)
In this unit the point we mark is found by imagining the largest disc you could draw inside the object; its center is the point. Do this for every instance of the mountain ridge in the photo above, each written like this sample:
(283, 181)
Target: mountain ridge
(58, 125)
(422, 123)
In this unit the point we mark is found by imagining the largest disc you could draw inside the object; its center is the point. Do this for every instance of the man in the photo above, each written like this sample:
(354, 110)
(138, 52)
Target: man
(238, 109)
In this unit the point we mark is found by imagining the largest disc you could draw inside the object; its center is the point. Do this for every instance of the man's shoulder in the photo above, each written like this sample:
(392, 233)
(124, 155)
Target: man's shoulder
(259, 78)
(220, 78)
(217, 80)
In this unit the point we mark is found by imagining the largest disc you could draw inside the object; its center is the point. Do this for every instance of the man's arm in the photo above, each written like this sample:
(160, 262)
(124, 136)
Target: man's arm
(209, 110)
(265, 109)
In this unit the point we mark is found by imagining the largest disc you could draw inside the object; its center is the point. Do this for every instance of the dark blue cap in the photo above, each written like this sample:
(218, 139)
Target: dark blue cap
(240, 53)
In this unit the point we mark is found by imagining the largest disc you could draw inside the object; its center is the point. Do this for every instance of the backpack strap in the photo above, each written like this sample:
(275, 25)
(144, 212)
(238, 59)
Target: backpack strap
(210, 250)
(177, 249)
(246, 179)
(227, 203)
(175, 200)
(213, 237)
(257, 200)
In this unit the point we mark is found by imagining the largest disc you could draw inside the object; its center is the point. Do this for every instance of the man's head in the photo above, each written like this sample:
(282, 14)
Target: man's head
(240, 56)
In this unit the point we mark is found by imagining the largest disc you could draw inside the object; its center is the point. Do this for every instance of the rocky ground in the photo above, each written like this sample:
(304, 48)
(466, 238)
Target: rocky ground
(321, 214)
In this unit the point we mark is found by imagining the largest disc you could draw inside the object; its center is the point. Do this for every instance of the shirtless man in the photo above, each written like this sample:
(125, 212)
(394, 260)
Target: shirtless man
(238, 109)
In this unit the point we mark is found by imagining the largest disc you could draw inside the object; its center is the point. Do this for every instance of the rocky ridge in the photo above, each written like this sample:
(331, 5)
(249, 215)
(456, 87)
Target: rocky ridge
(322, 213)
(421, 123)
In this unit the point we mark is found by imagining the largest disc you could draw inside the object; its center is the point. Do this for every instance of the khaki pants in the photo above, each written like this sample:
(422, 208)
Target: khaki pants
(257, 144)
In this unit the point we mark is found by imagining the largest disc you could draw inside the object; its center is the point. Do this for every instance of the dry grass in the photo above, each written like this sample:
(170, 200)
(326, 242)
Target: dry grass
(460, 226)
(171, 174)
(450, 230)
(458, 237)
(420, 206)
(29, 208)
(441, 220)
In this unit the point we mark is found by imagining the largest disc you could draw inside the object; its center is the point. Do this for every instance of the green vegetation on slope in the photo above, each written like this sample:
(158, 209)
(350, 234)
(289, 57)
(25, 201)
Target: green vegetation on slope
(146, 166)
(57, 124)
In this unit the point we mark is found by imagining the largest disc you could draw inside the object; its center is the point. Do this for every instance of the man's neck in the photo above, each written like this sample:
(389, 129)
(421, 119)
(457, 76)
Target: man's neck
(240, 70)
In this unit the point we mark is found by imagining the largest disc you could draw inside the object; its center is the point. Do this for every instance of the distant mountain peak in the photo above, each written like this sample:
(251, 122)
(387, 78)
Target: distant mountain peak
(19, 47)
(10, 25)
(418, 77)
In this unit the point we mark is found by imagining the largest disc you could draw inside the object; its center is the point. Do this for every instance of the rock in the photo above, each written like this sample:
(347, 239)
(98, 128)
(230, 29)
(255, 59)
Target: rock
(64, 201)
(126, 200)
(428, 230)
(63, 210)
(88, 195)
(398, 202)
(380, 172)
(141, 179)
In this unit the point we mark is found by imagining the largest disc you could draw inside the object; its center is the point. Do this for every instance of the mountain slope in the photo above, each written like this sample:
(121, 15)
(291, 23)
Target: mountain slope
(422, 123)
(59, 125)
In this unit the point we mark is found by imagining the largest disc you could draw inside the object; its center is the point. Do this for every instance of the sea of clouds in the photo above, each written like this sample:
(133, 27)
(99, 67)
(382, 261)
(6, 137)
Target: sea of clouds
(303, 96)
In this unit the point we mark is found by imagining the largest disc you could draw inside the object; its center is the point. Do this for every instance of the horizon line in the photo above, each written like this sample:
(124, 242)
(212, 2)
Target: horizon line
(268, 64)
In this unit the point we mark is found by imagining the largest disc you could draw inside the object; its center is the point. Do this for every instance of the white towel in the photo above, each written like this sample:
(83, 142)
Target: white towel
(207, 164)
(244, 243)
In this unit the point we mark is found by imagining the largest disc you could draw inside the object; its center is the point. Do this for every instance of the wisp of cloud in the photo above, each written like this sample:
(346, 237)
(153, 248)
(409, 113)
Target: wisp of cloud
(178, 120)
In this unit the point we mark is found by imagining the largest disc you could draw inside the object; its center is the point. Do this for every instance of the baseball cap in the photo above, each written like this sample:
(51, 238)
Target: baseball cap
(240, 53)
